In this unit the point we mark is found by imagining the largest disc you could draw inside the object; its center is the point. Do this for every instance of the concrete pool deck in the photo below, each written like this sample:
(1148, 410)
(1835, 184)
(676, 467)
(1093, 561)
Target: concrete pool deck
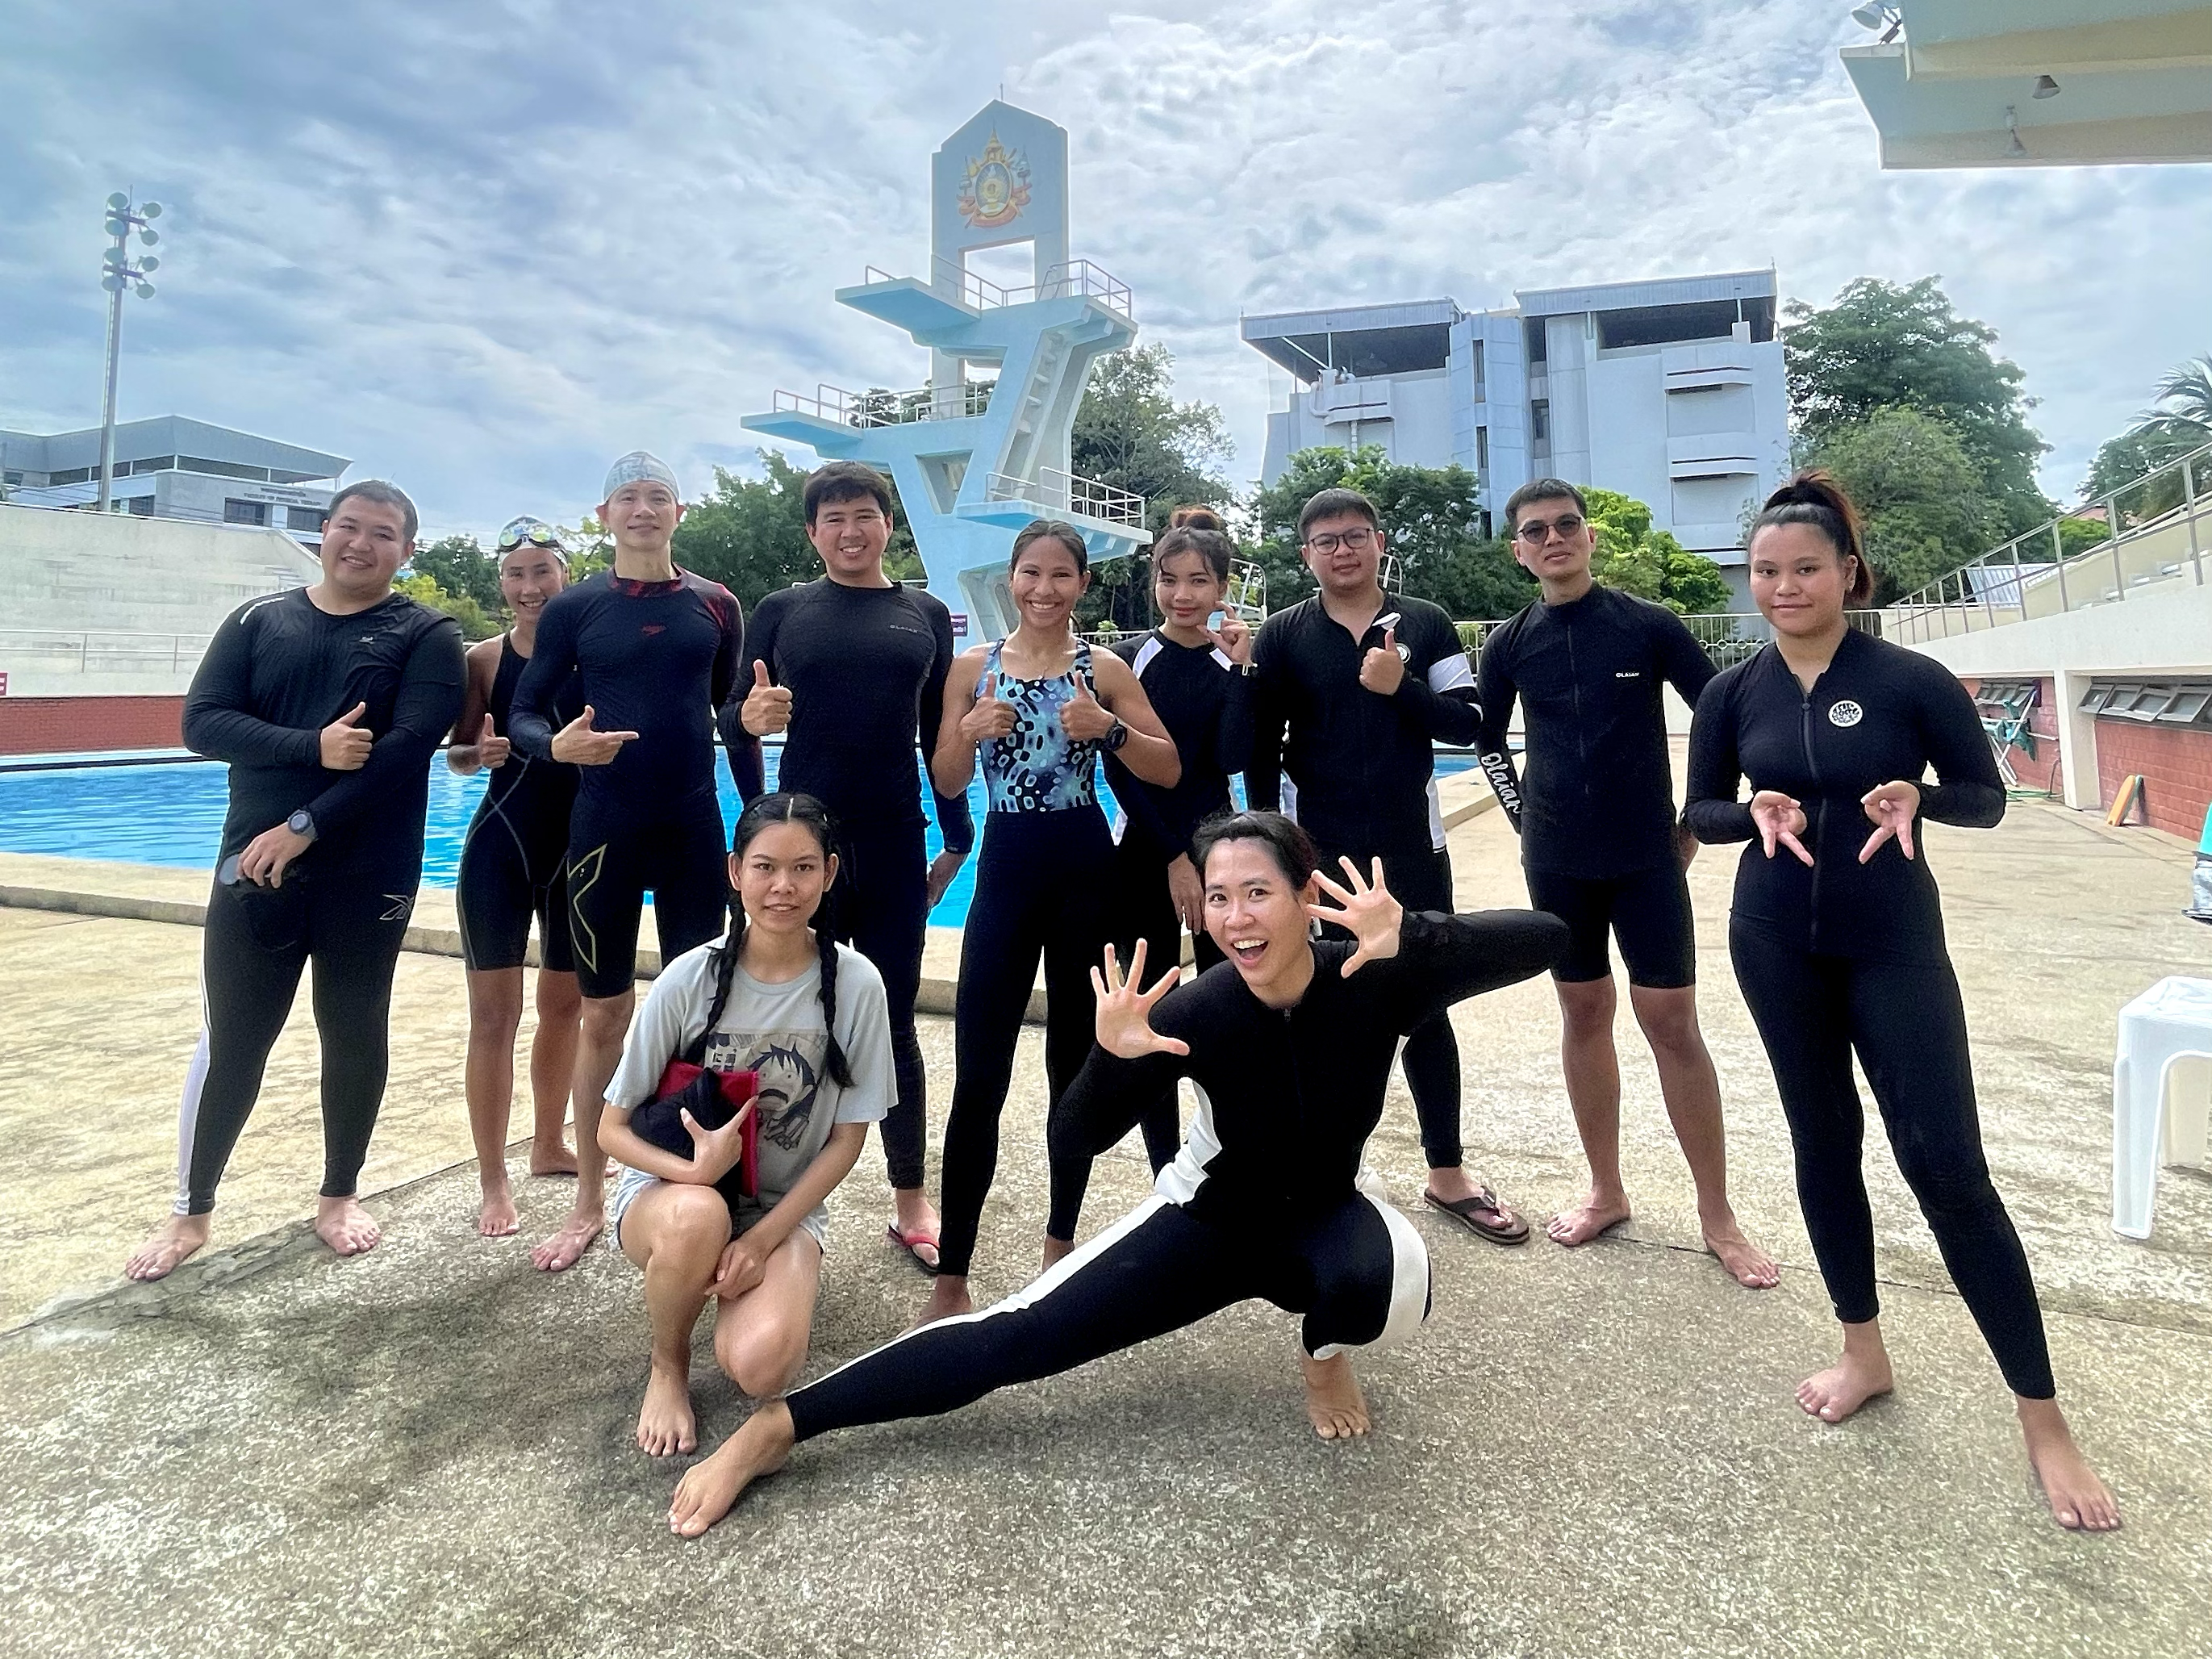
(1587, 1452)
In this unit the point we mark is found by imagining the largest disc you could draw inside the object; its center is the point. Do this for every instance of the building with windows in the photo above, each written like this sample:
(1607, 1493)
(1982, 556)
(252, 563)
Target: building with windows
(174, 468)
(1670, 391)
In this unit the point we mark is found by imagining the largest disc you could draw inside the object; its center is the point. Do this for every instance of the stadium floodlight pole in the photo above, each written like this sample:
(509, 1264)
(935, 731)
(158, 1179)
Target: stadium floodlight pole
(117, 273)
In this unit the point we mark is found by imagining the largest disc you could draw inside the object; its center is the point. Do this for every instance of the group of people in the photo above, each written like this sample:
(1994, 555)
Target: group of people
(1323, 934)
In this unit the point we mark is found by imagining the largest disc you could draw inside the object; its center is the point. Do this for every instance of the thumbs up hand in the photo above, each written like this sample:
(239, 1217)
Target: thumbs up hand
(1082, 717)
(492, 749)
(577, 744)
(345, 745)
(767, 708)
(991, 717)
(1383, 670)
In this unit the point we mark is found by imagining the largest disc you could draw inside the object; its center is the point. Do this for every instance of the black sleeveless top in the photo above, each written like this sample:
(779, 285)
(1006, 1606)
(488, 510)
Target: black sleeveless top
(534, 795)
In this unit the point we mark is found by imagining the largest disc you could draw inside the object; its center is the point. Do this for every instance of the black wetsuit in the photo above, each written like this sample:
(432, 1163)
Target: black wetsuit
(865, 667)
(1262, 1201)
(1595, 809)
(1363, 774)
(661, 659)
(514, 862)
(1847, 957)
(276, 672)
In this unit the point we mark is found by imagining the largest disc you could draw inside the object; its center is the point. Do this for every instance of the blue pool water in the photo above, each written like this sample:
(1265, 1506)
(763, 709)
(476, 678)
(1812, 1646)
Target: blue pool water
(170, 813)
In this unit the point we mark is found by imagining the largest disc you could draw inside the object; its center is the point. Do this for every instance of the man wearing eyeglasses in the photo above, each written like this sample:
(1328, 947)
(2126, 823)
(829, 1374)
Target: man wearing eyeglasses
(1352, 688)
(1604, 849)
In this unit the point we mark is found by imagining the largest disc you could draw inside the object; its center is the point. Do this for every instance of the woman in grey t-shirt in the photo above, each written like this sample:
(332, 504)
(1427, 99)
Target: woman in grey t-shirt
(809, 1017)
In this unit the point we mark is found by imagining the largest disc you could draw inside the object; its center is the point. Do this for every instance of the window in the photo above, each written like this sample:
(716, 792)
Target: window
(10, 477)
(237, 512)
(2170, 703)
(1482, 449)
(142, 506)
(224, 469)
(308, 519)
(71, 475)
(1540, 421)
(154, 463)
(1533, 332)
(1474, 361)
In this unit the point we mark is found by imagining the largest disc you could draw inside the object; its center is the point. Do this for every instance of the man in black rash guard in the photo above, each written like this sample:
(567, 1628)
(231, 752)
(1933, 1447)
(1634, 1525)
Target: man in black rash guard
(657, 649)
(1352, 688)
(1288, 1044)
(851, 667)
(328, 701)
(1604, 852)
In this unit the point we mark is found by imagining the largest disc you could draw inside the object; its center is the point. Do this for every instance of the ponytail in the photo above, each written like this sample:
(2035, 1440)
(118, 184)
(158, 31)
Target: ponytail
(1196, 516)
(833, 1053)
(1814, 497)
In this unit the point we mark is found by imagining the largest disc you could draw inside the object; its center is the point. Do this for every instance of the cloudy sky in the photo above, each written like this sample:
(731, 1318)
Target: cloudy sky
(482, 248)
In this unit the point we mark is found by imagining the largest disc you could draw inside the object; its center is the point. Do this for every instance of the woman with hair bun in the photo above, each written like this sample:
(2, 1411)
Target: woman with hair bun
(1836, 934)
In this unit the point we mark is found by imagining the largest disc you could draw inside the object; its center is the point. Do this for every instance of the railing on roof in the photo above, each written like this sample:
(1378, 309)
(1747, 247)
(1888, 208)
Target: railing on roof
(2156, 531)
(86, 651)
(878, 407)
(1073, 279)
(1055, 491)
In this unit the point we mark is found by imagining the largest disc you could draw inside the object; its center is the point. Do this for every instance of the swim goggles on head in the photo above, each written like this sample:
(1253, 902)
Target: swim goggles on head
(536, 532)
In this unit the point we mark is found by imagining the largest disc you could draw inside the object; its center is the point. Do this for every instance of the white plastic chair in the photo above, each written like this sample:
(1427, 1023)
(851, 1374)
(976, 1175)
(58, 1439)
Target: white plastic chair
(2171, 1021)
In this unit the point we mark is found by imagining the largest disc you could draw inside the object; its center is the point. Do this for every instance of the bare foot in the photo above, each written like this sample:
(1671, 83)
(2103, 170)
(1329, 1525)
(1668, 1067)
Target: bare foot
(348, 1229)
(566, 1248)
(665, 1423)
(556, 1159)
(496, 1219)
(709, 1487)
(1833, 1394)
(1334, 1404)
(1748, 1265)
(1056, 1249)
(948, 1297)
(2080, 1502)
(170, 1243)
(1584, 1221)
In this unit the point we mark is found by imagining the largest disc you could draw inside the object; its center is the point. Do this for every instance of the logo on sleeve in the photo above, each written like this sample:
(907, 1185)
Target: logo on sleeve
(1845, 713)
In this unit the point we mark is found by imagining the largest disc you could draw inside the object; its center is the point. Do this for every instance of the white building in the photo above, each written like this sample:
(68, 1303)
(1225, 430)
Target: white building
(1669, 391)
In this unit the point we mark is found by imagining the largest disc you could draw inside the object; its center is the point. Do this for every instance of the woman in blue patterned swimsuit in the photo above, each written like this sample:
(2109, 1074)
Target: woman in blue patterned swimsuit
(1041, 708)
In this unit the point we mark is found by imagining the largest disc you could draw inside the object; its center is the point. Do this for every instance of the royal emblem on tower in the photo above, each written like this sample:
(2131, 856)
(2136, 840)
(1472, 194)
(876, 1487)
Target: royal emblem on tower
(997, 187)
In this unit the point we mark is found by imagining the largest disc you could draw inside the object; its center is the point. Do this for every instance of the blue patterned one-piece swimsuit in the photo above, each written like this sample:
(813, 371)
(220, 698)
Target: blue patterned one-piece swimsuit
(1037, 767)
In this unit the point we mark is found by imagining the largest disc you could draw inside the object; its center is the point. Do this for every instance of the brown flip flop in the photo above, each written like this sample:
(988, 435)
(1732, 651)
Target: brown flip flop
(1485, 1215)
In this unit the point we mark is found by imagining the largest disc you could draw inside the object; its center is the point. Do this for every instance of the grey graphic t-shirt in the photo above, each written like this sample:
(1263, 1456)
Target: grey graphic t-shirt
(775, 1030)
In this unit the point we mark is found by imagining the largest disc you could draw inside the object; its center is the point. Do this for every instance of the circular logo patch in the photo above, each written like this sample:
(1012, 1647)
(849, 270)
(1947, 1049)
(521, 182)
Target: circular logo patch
(1845, 713)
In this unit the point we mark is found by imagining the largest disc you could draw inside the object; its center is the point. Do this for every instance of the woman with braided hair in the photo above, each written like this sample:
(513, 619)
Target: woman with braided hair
(775, 997)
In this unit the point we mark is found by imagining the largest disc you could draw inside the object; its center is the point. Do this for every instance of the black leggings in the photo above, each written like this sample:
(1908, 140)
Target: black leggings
(257, 941)
(1423, 881)
(1909, 1027)
(1040, 890)
(1359, 1274)
(879, 905)
(613, 862)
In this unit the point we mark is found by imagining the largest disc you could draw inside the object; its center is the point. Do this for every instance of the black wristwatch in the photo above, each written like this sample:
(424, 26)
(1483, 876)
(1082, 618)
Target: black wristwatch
(300, 823)
(1117, 737)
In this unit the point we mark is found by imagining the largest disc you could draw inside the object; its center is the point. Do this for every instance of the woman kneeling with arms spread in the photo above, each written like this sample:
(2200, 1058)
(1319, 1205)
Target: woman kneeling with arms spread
(1289, 1043)
(807, 1016)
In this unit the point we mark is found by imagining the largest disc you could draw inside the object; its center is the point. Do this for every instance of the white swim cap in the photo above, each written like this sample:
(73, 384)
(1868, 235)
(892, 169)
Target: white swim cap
(641, 466)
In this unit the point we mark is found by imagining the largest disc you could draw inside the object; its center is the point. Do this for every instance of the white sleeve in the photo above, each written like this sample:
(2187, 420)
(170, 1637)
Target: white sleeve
(864, 1032)
(675, 1008)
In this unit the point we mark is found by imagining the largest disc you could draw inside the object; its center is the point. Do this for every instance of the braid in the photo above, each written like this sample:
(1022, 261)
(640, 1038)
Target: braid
(725, 960)
(832, 1056)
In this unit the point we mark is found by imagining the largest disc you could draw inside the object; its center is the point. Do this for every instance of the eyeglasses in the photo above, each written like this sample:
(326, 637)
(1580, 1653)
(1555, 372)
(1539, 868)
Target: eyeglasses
(1358, 541)
(1537, 531)
(533, 530)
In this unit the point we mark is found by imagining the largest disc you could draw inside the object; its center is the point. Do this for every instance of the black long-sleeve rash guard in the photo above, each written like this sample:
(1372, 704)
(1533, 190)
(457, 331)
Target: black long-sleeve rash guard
(278, 670)
(865, 667)
(1361, 763)
(1287, 1097)
(1205, 702)
(658, 658)
(1596, 799)
(1878, 713)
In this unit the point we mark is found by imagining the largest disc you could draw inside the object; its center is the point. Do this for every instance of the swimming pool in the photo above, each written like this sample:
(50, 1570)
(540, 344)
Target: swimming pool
(170, 812)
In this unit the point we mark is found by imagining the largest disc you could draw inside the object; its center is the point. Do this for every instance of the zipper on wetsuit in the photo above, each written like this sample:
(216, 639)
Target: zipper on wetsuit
(1820, 807)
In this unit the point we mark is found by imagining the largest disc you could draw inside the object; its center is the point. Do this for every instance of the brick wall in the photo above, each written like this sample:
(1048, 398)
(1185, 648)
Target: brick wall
(49, 726)
(2037, 770)
(2176, 763)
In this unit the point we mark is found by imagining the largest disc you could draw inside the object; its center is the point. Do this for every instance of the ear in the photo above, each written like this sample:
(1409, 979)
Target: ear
(737, 869)
(829, 873)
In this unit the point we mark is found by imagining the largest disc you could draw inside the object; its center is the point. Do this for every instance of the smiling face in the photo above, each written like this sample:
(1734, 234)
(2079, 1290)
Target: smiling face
(1553, 539)
(1046, 583)
(1344, 552)
(364, 544)
(780, 877)
(528, 577)
(641, 516)
(1256, 916)
(851, 536)
(1798, 579)
(1186, 590)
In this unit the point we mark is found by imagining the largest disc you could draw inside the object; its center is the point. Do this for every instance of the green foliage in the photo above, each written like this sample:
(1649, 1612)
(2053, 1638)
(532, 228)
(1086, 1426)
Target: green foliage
(458, 566)
(2181, 421)
(1880, 346)
(750, 534)
(1918, 490)
(1650, 563)
(463, 608)
(1432, 517)
(2076, 535)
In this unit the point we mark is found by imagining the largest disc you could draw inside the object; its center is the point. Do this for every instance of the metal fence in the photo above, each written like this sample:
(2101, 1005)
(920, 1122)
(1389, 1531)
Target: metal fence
(1054, 491)
(878, 407)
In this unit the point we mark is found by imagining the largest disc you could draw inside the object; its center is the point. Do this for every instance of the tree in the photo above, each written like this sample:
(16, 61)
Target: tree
(1880, 346)
(463, 608)
(1919, 491)
(458, 565)
(2179, 421)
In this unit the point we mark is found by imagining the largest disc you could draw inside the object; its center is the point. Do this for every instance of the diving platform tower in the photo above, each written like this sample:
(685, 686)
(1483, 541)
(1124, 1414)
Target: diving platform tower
(975, 460)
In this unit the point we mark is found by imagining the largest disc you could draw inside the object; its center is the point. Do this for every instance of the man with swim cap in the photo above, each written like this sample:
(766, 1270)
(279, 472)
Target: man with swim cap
(657, 650)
